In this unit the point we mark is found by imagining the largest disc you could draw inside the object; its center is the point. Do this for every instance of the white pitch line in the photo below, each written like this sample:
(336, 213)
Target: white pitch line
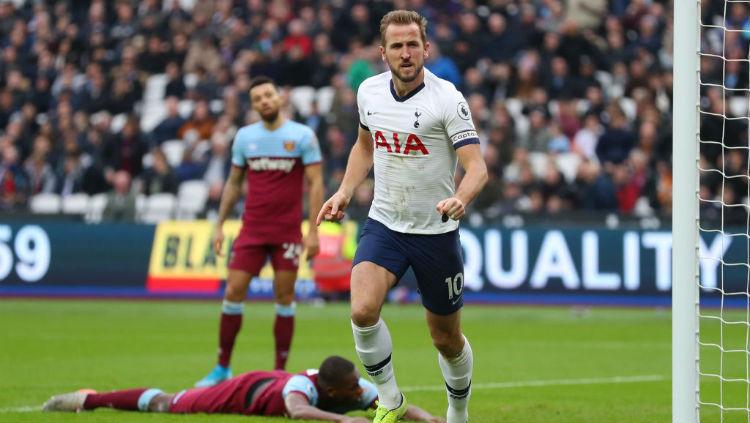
(551, 382)
(493, 385)
(23, 409)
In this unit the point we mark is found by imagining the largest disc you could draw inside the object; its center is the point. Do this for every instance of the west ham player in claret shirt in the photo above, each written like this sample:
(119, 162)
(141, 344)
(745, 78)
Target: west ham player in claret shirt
(324, 394)
(414, 128)
(276, 155)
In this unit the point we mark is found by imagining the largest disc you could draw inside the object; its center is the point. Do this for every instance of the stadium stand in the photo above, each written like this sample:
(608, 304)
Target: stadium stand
(582, 91)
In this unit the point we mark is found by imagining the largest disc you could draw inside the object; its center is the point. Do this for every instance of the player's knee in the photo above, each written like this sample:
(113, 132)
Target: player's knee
(284, 298)
(364, 315)
(235, 293)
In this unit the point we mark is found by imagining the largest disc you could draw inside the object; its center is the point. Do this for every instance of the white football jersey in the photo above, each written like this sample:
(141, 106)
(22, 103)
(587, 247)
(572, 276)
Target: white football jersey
(415, 139)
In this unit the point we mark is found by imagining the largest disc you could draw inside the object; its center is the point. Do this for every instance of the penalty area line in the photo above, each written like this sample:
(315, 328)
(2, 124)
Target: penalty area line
(551, 382)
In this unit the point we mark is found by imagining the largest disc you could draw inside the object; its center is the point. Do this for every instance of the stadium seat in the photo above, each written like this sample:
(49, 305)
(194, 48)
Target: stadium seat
(45, 204)
(568, 165)
(155, 87)
(515, 107)
(324, 97)
(148, 160)
(302, 98)
(539, 162)
(154, 111)
(738, 106)
(642, 208)
(158, 207)
(173, 149)
(553, 107)
(191, 199)
(140, 205)
(118, 122)
(216, 106)
(186, 107)
(604, 78)
(582, 105)
(190, 80)
(187, 4)
(522, 126)
(75, 203)
(628, 107)
(201, 149)
(97, 203)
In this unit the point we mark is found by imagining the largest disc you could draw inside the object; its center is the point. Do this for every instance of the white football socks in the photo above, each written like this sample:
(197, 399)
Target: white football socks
(457, 374)
(374, 348)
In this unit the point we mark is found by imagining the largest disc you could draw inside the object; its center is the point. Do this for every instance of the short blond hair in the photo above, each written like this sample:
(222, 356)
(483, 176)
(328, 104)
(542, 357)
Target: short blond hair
(403, 17)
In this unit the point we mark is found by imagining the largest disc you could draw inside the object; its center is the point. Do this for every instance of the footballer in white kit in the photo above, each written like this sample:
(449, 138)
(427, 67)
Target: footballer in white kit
(415, 137)
(414, 129)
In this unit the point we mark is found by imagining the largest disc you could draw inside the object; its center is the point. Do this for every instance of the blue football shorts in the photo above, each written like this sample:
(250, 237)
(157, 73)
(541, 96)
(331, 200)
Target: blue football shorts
(437, 261)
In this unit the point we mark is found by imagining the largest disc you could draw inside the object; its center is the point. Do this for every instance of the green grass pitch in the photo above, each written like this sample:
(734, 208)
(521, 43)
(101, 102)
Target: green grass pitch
(532, 364)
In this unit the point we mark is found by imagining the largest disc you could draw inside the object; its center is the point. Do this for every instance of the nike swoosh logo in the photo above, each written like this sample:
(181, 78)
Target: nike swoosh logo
(369, 113)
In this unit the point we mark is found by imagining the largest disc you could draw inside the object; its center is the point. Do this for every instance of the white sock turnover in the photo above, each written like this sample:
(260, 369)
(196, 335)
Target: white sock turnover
(374, 348)
(457, 374)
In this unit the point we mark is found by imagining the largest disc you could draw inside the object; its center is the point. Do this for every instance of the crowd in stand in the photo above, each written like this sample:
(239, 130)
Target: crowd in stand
(572, 98)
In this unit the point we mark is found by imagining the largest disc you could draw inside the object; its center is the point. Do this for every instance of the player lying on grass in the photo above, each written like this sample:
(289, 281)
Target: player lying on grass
(324, 394)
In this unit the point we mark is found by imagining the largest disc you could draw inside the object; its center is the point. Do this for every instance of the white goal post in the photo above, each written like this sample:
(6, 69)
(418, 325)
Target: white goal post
(685, 381)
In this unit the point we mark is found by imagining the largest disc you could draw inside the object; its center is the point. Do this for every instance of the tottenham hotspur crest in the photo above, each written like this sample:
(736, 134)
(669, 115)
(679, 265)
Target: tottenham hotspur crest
(416, 121)
(463, 111)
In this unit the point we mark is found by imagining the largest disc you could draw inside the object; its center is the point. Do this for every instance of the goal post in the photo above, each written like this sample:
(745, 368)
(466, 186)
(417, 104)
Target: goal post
(685, 382)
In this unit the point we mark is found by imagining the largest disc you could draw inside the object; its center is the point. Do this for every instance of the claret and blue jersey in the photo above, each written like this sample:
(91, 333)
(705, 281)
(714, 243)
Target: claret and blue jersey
(275, 162)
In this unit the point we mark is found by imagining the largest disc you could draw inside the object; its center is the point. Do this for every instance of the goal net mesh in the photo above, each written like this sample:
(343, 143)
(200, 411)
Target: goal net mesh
(724, 224)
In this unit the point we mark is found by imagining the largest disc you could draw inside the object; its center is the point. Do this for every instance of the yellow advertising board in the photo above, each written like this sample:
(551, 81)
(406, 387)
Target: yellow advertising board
(183, 259)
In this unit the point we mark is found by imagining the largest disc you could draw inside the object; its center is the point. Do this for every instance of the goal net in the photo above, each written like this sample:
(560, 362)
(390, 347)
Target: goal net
(711, 223)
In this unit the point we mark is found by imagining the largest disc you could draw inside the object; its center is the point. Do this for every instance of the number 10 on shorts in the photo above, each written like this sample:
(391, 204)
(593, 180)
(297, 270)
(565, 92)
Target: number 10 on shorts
(455, 285)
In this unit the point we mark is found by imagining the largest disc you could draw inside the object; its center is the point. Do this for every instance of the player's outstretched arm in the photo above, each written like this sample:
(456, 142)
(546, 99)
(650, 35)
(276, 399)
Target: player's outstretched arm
(417, 414)
(470, 157)
(357, 168)
(229, 196)
(298, 407)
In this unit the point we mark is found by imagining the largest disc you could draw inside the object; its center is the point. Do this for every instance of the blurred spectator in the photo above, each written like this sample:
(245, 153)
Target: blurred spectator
(443, 66)
(587, 14)
(169, 128)
(545, 77)
(217, 169)
(337, 152)
(193, 163)
(202, 53)
(200, 125)
(70, 177)
(586, 138)
(121, 200)
(538, 136)
(594, 190)
(159, 177)
(125, 150)
(40, 173)
(175, 83)
(122, 97)
(617, 140)
(13, 179)
(154, 59)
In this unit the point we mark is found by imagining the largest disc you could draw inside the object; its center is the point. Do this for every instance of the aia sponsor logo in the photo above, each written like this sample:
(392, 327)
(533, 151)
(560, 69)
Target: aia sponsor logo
(411, 146)
(265, 163)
